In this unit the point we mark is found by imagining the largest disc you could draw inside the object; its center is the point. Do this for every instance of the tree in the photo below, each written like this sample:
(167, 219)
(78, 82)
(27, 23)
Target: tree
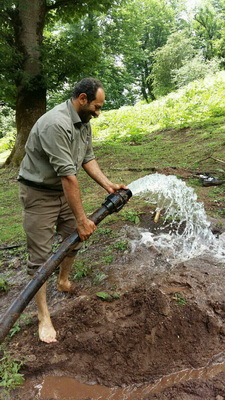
(207, 25)
(193, 69)
(173, 55)
(24, 68)
(133, 32)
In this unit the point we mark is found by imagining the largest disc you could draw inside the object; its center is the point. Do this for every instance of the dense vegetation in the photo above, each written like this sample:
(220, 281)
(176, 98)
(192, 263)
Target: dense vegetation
(197, 104)
(180, 129)
(140, 49)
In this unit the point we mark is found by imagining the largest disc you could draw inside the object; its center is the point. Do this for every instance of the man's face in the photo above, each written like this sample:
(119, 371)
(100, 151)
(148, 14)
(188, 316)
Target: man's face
(91, 109)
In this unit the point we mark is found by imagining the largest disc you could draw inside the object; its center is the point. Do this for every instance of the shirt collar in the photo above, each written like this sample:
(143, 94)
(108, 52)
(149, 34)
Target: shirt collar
(74, 116)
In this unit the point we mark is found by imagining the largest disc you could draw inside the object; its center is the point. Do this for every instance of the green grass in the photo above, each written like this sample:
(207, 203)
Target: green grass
(4, 285)
(10, 377)
(182, 129)
(198, 104)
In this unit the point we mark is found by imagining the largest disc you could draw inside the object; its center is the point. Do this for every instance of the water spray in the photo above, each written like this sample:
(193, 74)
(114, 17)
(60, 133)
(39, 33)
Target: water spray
(113, 203)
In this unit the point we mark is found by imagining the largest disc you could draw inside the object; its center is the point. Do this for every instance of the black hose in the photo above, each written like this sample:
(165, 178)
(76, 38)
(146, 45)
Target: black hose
(113, 203)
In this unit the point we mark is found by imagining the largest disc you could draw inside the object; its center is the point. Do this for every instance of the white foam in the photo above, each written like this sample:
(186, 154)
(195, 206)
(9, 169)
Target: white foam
(179, 204)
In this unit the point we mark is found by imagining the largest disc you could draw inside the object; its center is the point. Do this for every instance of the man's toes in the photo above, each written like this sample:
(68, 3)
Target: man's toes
(67, 287)
(47, 333)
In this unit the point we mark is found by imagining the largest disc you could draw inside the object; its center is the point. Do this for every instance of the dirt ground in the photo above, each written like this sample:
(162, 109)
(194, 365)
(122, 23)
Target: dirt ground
(160, 319)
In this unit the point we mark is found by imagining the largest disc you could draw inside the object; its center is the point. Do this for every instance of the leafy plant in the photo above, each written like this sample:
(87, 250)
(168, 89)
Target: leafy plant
(98, 277)
(108, 259)
(25, 319)
(10, 377)
(132, 216)
(104, 231)
(181, 301)
(121, 245)
(15, 329)
(104, 296)
(4, 285)
(81, 270)
(116, 295)
(197, 103)
(108, 297)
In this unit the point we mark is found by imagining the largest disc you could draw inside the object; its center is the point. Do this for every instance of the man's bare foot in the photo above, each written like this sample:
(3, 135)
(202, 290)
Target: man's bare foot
(67, 286)
(47, 332)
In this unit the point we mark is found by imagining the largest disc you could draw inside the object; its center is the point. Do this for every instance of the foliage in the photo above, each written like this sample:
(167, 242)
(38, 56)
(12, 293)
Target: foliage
(195, 104)
(140, 49)
(121, 245)
(197, 109)
(131, 215)
(7, 120)
(108, 297)
(24, 320)
(10, 377)
(81, 270)
(181, 301)
(140, 26)
(104, 231)
(98, 277)
(4, 285)
(10, 210)
(193, 69)
(15, 329)
(69, 34)
(104, 296)
(168, 60)
(108, 258)
(208, 28)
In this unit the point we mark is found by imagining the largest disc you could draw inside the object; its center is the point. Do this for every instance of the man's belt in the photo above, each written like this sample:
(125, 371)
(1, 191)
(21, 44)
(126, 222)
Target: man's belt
(36, 185)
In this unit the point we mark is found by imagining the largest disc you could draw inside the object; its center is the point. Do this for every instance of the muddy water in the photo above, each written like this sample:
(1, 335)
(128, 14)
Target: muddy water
(64, 388)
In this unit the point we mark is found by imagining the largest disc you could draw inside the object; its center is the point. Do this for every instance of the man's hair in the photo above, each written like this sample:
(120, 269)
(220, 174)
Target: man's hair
(89, 86)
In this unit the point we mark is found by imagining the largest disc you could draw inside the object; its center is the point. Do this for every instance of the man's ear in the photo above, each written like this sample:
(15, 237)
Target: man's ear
(83, 99)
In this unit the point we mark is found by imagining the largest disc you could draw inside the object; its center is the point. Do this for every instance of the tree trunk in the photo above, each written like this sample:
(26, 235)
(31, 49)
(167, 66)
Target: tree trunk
(28, 23)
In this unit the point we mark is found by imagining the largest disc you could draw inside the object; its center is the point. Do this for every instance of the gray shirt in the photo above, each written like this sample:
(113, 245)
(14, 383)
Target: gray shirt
(58, 144)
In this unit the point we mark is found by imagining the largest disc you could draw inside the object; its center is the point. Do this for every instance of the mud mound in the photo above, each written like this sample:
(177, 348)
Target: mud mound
(212, 389)
(137, 338)
(168, 318)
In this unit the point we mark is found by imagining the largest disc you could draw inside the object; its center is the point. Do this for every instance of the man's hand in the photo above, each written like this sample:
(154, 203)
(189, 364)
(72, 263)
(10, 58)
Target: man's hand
(85, 228)
(93, 170)
(113, 187)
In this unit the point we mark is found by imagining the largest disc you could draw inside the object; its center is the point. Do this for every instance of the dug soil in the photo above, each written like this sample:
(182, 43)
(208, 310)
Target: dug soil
(158, 320)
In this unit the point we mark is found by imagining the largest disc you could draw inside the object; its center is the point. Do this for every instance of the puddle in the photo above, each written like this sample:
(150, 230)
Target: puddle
(64, 388)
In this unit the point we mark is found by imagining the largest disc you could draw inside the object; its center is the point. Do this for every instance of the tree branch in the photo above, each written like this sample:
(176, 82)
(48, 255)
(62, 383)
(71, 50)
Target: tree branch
(61, 3)
(133, 169)
(212, 158)
(216, 159)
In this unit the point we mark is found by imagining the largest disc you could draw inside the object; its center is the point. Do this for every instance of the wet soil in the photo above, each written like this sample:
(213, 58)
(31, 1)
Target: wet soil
(160, 319)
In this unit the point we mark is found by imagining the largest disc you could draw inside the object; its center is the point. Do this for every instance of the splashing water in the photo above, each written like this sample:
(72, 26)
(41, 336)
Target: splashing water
(180, 206)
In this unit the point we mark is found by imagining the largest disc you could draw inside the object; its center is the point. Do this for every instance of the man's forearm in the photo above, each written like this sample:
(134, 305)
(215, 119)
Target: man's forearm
(93, 170)
(85, 226)
(72, 193)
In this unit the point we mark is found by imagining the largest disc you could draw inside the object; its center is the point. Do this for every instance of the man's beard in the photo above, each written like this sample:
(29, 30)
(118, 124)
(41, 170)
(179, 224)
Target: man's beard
(85, 116)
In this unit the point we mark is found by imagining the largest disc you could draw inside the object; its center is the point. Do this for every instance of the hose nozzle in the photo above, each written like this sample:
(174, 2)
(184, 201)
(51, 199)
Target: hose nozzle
(115, 201)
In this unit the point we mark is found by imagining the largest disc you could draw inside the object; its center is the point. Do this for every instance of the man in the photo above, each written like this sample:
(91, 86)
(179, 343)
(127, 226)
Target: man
(59, 144)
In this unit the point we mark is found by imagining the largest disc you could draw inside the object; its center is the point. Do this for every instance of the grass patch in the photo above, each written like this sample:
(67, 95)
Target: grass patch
(4, 285)
(182, 129)
(198, 104)
(10, 377)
